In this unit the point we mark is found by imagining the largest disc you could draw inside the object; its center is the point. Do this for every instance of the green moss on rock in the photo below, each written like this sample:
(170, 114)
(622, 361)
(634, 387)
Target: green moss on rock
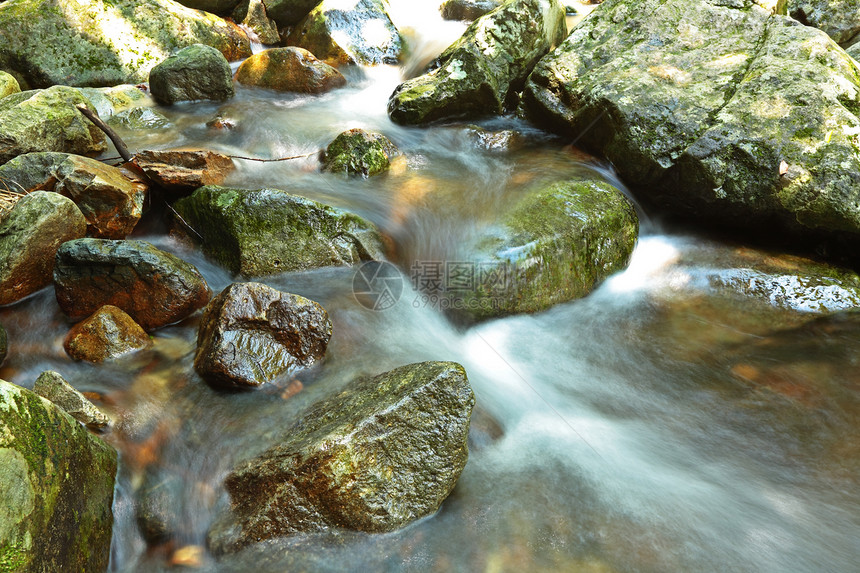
(358, 152)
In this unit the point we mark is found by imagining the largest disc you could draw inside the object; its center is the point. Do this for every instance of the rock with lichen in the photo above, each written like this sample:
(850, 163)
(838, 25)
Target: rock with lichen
(52, 386)
(358, 152)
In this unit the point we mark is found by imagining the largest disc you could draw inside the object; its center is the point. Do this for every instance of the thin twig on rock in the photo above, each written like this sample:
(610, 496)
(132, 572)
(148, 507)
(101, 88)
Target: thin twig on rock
(117, 141)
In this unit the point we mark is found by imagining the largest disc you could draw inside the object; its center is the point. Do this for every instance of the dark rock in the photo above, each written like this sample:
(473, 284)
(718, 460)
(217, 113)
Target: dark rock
(288, 12)
(50, 42)
(4, 344)
(109, 333)
(57, 482)
(222, 7)
(340, 36)
(251, 333)
(764, 142)
(467, 9)
(840, 19)
(359, 152)
(478, 74)
(197, 72)
(267, 231)
(158, 517)
(29, 238)
(52, 386)
(155, 288)
(184, 171)
(289, 70)
(380, 454)
(47, 120)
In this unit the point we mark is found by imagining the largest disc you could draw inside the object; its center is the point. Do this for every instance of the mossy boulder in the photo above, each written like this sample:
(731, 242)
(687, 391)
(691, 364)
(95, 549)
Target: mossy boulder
(267, 231)
(8, 84)
(840, 19)
(557, 244)
(154, 287)
(288, 12)
(30, 236)
(57, 482)
(479, 74)
(47, 120)
(110, 101)
(358, 33)
(104, 42)
(52, 386)
(197, 72)
(251, 333)
(107, 334)
(289, 70)
(358, 152)
(378, 455)
(728, 115)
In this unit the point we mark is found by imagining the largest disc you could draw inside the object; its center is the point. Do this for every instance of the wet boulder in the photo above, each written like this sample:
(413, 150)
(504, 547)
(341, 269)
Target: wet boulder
(374, 457)
(197, 72)
(8, 84)
(183, 171)
(47, 120)
(358, 152)
(289, 70)
(53, 387)
(154, 287)
(467, 9)
(113, 100)
(557, 244)
(840, 19)
(267, 231)
(743, 119)
(57, 481)
(358, 32)
(111, 203)
(30, 236)
(75, 42)
(479, 73)
(107, 334)
(252, 14)
(251, 333)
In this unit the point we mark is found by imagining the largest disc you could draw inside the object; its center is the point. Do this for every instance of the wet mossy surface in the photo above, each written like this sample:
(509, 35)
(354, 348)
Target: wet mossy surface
(359, 152)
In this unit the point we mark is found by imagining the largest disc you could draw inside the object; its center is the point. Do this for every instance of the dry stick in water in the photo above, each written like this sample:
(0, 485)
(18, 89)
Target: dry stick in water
(117, 142)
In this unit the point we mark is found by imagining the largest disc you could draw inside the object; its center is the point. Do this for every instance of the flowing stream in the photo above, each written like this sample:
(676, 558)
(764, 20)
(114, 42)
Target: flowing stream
(658, 424)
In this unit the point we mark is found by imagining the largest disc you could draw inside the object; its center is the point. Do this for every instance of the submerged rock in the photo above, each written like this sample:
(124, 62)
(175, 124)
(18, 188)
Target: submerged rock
(154, 287)
(46, 120)
(158, 517)
(52, 386)
(557, 244)
(289, 70)
(8, 84)
(478, 74)
(359, 32)
(727, 115)
(197, 72)
(378, 455)
(29, 238)
(183, 171)
(107, 334)
(267, 231)
(251, 333)
(359, 152)
(840, 19)
(57, 482)
(75, 42)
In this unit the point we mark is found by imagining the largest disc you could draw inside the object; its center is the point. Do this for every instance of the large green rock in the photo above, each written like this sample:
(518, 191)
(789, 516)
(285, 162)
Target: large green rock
(478, 74)
(47, 120)
(197, 72)
(840, 19)
(267, 231)
(356, 32)
(30, 236)
(729, 115)
(557, 244)
(57, 485)
(8, 84)
(104, 42)
(378, 455)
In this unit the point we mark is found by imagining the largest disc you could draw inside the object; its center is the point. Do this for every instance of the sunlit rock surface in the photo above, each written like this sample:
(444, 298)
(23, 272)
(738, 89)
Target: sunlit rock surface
(8, 84)
(47, 120)
(289, 69)
(477, 75)
(251, 333)
(729, 115)
(52, 386)
(267, 231)
(30, 236)
(253, 15)
(104, 43)
(106, 334)
(183, 171)
(352, 32)
(57, 482)
(380, 454)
